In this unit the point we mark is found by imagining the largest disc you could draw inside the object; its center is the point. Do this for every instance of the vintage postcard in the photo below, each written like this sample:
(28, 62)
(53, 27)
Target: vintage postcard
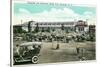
(52, 33)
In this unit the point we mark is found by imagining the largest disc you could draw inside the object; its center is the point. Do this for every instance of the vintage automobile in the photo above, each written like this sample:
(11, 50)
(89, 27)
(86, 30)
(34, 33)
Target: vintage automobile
(27, 52)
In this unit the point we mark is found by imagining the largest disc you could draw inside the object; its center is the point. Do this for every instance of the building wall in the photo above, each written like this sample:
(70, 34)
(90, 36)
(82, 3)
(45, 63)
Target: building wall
(68, 26)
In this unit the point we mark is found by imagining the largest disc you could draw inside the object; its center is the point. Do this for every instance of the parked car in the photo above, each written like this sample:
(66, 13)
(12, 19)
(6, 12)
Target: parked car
(27, 52)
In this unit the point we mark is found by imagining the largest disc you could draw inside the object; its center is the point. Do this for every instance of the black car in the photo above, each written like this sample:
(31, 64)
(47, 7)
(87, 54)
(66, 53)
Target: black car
(27, 52)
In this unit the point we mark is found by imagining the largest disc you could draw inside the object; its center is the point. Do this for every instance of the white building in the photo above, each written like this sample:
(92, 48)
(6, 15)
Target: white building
(78, 26)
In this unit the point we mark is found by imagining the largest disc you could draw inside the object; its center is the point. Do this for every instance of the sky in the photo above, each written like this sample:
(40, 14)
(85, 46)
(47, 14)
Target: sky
(24, 12)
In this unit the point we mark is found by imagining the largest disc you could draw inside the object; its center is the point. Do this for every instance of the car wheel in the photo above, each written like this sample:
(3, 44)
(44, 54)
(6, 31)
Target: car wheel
(35, 59)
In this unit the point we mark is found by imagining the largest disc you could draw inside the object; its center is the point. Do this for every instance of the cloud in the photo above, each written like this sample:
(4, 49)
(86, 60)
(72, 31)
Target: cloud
(88, 12)
(24, 11)
(54, 14)
(57, 14)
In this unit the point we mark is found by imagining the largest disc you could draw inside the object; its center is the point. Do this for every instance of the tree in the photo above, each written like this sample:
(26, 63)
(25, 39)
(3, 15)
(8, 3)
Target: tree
(17, 29)
(29, 26)
(48, 29)
(36, 28)
(62, 27)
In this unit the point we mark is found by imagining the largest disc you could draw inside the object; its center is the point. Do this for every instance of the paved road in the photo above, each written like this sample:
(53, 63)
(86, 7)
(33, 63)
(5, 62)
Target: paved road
(66, 52)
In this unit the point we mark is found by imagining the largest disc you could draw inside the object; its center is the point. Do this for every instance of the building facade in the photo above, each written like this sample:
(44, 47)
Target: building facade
(71, 26)
(92, 28)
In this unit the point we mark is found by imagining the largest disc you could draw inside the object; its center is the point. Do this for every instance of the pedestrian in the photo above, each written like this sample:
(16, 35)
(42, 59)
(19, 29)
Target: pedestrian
(78, 50)
(57, 46)
(18, 51)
